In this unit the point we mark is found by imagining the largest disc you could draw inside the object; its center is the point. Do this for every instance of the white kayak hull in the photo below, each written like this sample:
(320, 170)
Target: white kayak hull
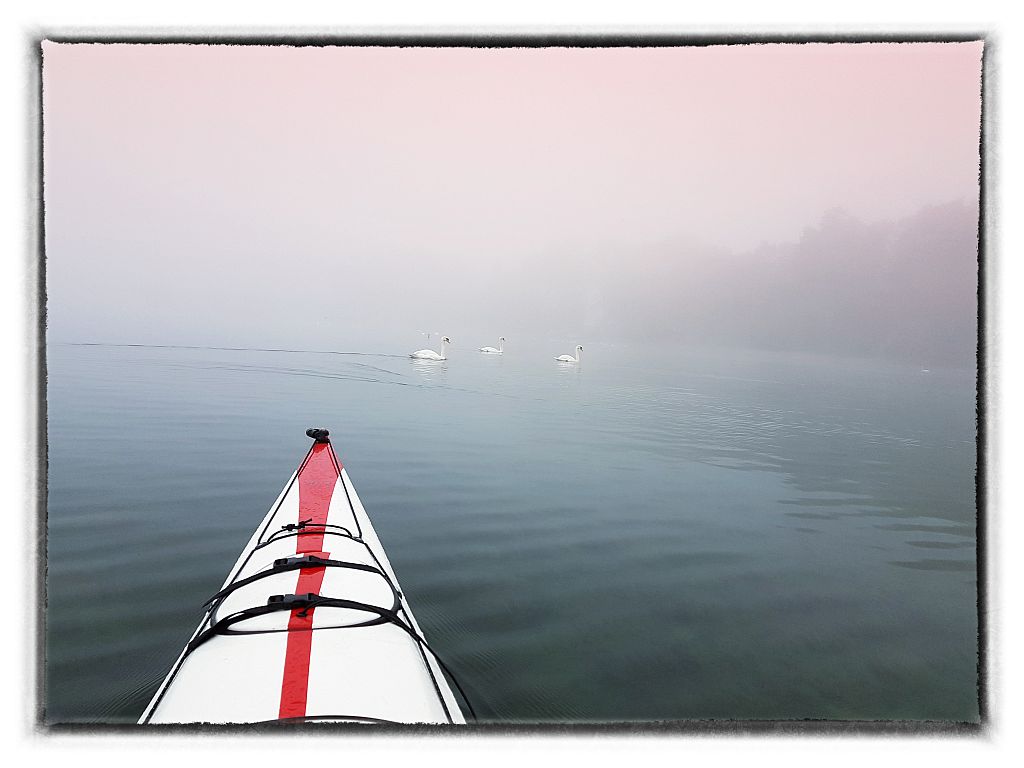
(310, 625)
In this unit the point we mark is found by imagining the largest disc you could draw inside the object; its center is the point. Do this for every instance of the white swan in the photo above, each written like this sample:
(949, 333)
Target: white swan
(492, 351)
(429, 354)
(568, 358)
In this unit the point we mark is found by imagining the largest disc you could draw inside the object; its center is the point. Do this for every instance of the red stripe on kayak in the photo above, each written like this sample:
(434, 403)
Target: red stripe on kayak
(295, 685)
(317, 479)
(316, 485)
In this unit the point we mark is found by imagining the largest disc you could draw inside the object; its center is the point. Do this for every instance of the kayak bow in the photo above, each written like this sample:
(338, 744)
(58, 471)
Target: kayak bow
(311, 623)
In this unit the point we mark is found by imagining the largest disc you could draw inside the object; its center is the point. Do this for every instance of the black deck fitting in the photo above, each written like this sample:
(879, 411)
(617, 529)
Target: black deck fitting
(319, 434)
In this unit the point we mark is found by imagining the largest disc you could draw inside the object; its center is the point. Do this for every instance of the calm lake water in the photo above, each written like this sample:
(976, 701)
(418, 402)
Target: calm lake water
(648, 536)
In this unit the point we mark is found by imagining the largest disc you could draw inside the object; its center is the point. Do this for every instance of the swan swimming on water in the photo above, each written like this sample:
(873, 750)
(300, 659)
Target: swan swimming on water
(492, 351)
(569, 359)
(429, 354)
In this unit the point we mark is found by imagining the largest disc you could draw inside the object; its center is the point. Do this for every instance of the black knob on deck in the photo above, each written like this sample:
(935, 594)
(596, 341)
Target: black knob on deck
(319, 434)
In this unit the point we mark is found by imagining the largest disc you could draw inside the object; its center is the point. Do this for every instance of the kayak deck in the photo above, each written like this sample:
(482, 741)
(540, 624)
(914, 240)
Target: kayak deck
(311, 623)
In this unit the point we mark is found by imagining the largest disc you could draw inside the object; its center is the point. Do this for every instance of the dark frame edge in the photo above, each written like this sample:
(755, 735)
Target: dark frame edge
(36, 301)
(445, 37)
(986, 214)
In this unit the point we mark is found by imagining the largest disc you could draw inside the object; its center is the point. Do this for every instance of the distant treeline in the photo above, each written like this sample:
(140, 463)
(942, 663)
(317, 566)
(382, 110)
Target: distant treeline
(905, 290)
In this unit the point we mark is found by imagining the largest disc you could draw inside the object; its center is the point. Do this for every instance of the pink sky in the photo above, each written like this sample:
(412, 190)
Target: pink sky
(185, 170)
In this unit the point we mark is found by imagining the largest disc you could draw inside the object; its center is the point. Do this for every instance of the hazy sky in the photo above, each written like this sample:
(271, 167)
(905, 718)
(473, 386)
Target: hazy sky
(274, 195)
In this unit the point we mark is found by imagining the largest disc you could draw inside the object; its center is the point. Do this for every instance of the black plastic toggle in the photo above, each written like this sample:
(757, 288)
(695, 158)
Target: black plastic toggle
(320, 434)
(311, 560)
(304, 599)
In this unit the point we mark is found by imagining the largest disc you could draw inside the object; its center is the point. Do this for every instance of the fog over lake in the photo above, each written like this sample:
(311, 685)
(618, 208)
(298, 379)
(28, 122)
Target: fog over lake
(813, 197)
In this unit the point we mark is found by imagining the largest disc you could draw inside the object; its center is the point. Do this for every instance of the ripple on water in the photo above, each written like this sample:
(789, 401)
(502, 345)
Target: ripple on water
(928, 564)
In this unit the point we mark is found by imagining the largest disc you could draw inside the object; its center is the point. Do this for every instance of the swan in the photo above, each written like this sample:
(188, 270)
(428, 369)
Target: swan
(491, 350)
(568, 358)
(429, 354)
